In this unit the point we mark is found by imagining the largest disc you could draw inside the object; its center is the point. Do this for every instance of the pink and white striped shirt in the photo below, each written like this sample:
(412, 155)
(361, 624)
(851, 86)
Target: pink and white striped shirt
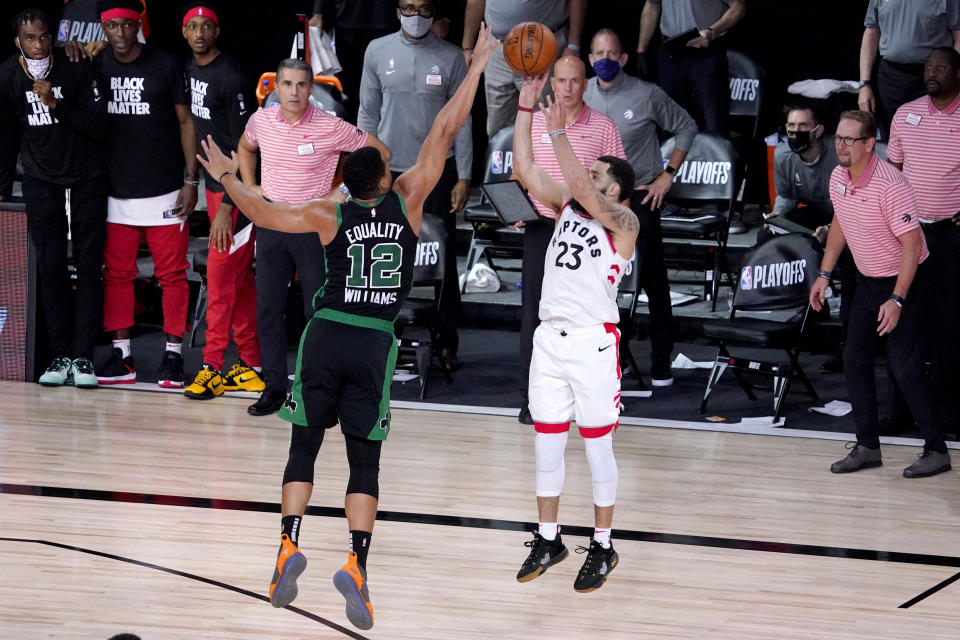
(927, 142)
(873, 212)
(299, 160)
(592, 135)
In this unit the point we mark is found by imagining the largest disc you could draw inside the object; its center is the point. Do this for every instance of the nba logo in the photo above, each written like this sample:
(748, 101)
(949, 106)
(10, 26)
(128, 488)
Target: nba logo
(746, 280)
(496, 162)
(64, 31)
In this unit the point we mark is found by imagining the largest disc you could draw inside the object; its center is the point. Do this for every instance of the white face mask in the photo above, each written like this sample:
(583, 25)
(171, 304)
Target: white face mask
(37, 68)
(416, 26)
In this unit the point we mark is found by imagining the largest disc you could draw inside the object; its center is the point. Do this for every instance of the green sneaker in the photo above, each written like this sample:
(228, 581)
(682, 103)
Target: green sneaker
(84, 376)
(57, 373)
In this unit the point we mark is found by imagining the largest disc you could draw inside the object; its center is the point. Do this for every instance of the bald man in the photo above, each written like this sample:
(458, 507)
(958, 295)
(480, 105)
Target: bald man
(592, 134)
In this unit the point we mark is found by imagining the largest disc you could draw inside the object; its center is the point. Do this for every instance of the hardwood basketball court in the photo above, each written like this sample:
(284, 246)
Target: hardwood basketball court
(149, 514)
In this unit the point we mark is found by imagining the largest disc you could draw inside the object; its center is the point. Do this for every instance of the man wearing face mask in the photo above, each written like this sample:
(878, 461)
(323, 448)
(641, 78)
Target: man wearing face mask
(801, 173)
(640, 109)
(408, 77)
(60, 110)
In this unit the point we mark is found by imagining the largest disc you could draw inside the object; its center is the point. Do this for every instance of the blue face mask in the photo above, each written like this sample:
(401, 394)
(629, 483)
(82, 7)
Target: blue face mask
(606, 69)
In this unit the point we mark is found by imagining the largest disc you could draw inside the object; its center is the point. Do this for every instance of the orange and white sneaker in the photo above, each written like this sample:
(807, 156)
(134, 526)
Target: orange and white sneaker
(290, 564)
(351, 582)
(240, 377)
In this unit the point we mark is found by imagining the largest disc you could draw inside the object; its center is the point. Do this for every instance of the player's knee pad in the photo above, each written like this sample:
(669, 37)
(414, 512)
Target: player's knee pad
(603, 468)
(549, 448)
(304, 446)
(364, 458)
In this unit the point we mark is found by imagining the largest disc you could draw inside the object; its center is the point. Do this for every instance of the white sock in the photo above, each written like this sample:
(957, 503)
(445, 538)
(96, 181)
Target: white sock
(123, 345)
(603, 537)
(549, 530)
(257, 369)
(176, 347)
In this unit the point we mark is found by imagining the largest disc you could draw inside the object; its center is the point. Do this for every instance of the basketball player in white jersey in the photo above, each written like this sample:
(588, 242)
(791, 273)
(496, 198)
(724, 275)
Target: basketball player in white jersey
(575, 371)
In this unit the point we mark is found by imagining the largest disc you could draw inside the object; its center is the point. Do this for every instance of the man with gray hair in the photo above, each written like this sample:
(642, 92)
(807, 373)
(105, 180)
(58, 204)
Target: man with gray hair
(300, 148)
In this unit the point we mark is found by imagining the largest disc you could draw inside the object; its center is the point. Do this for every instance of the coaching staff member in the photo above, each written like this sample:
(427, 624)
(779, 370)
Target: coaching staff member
(299, 148)
(925, 144)
(875, 213)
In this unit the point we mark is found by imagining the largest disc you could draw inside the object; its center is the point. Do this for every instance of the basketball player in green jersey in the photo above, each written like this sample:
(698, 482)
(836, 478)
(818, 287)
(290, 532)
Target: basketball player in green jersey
(348, 350)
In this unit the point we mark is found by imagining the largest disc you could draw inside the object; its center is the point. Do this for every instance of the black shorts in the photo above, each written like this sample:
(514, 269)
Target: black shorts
(344, 372)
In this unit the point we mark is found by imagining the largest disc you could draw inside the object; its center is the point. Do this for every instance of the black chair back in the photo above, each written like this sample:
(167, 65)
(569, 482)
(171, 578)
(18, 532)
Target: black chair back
(499, 167)
(747, 80)
(431, 252)
(709, 172)
(778, 274)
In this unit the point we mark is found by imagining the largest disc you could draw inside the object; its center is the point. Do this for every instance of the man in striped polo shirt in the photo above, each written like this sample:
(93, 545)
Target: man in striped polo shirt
(875, 211)
(925, 145)
(592, 134)
(299, 149)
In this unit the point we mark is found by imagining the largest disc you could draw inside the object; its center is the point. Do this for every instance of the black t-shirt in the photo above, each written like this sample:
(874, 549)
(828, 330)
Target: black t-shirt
(61, 146)
(221, 102)
(370, 260)
(145, 158)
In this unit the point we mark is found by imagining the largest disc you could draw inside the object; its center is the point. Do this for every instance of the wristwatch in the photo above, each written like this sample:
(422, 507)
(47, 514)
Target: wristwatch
(863, 83)
(669, 170)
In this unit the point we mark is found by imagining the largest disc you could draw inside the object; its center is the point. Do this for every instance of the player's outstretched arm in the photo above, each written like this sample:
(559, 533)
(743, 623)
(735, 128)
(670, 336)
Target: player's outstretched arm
(318, 216)
(617, 218)
(532, 176)
(416, 183)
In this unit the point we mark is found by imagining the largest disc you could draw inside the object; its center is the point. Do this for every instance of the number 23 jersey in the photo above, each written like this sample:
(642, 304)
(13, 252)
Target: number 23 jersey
(581, 274)
(370, 260)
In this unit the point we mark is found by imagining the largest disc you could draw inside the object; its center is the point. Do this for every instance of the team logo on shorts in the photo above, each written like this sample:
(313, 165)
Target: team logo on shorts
(746, 279)
(385, 423)
(290, 404)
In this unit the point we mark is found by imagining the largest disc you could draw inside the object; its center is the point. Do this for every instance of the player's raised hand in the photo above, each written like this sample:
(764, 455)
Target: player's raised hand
(486, 43)
(555, 113)
(531, 90)
(214, 161)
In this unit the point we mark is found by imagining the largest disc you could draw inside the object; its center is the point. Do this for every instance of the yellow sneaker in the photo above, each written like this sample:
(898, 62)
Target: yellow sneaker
(290, 564)
(351, 582)
(240, 377)
(206, 385)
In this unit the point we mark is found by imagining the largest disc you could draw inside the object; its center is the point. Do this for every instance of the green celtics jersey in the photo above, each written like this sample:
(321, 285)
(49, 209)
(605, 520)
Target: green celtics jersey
(370, 260)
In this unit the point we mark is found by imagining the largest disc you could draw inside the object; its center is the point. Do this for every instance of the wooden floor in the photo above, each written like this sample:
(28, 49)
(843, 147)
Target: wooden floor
(171, 531)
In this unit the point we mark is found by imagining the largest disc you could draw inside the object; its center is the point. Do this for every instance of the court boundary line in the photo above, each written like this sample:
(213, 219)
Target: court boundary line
(183, 574)
(740, 544)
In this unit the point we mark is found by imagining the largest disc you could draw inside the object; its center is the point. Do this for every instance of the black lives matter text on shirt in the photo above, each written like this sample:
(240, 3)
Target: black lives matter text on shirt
(144, 156)
(62, 146)
(221, 102)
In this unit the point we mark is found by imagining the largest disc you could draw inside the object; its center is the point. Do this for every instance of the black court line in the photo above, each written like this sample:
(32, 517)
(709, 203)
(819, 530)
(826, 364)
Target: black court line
(929, 592)
(506, 525)
(183, 574)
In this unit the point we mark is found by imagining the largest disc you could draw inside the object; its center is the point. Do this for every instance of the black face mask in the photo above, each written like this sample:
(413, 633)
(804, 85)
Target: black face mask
(799, 141)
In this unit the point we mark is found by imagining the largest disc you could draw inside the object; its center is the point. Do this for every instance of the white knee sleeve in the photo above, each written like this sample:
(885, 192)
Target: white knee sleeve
(603, 468)
(549, 448)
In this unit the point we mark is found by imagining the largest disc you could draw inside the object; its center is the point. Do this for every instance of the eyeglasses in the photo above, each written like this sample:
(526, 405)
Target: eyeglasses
(848, 141)
(409, 11)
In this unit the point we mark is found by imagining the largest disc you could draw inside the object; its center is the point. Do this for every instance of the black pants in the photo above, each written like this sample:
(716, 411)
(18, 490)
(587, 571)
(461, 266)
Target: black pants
(279, 255)
(73, 332)
(653, 279)
(699, 82)
(943, 241)
(905, 349)
(895, 85)
(351, 45)
(536, 239)
(438, 204)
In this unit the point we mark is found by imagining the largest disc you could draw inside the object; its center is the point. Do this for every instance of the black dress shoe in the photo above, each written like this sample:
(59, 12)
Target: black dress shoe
(834, 364)
(268, 402)
(525, 417)
(449, 359)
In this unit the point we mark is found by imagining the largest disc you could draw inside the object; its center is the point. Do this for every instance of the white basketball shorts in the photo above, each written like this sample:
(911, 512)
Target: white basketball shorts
(575, 374)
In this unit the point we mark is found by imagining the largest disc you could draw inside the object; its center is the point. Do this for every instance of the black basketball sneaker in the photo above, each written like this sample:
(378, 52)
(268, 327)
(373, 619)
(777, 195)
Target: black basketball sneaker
(596, 568)
(543, 555)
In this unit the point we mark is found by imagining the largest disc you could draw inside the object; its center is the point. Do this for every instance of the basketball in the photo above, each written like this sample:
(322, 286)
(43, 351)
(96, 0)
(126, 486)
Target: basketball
(530, 48)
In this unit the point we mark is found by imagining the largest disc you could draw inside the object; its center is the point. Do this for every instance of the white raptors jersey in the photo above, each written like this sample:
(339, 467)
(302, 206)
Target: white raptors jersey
(581, 273)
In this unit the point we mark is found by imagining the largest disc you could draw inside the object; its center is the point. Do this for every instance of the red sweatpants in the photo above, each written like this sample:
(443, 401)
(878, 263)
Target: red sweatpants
(231, 298)
(168, 246)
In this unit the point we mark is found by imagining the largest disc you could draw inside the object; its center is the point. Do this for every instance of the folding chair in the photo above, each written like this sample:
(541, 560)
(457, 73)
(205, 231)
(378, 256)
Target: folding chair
(708, 176)
(424, 310)
(489, 234)
(630, 287)
(776, 275)
(747, 87)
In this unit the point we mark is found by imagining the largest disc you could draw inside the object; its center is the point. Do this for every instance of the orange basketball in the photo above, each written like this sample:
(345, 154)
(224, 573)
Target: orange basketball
(530, 48)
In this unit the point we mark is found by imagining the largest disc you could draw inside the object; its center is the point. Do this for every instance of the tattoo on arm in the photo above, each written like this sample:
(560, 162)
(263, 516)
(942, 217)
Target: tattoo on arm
(621, 217)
